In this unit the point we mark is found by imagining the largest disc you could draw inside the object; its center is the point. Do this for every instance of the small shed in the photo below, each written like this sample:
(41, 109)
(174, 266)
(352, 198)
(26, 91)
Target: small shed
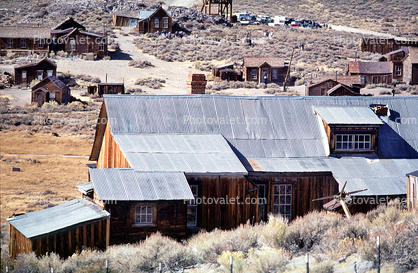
(51, 89)
(342, 90)
(64, 229)
(216, 69)
(111, 88)
(228, 74)
(411, 189)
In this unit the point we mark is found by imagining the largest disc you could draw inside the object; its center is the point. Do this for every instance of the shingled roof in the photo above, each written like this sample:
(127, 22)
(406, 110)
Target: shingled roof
(25, 32)
(36, 63)
(53, 79)
(369, 67)
(257, 61)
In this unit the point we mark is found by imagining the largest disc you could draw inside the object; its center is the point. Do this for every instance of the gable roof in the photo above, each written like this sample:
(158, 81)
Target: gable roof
(76, 30)
(259, 127)
(342, 86)
(336, 115)
(69, 23)
(52, 79)
(144, 14)
(348, 80)
(131, 185)
(188, 153)
(359, 67)
(25, 32)
(257, 61)
(36, 63)
(60, 217)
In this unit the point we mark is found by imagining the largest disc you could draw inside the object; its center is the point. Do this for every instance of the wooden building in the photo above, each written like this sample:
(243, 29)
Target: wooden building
(330, 87)
(126, 19)
(243, 158)
(412, 190)
(264, 69)
(371, 72)
(216, 70)
(68, 23)
(342, 90)
(25, 74)
(80, 42)
(384, 45)
(51, 89)
(410, 66)
(110, 88)
(64, 229)
(153, 21)
(24, 40)
(217, 7)
(396, 58)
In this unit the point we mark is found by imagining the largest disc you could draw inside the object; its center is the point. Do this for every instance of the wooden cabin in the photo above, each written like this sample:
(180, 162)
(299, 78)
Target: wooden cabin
(25, 74)
(110, 88)
(412, 190)
(410, 68)
(216, 70)
(396, 58)
(264, 69)
(51, 89)
(80, 42)
(64, 229)
(384, 45)
(371, 72)
(153, 21)
(69, 22)
(271, 155)
(126, 19)
(24, 40)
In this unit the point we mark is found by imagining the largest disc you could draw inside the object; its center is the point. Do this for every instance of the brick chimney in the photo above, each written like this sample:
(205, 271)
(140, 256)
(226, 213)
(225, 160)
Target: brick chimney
(196, 83)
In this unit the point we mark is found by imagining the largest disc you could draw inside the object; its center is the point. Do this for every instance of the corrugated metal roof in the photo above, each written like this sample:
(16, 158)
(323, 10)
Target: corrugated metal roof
(86, 187)
(71, 213)
(131, 185)
(261, 126)
(379, 176)
(179, 153)
(348, 115)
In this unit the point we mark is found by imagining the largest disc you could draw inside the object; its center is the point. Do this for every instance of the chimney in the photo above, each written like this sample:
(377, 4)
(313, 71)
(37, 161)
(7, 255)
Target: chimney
(196, 83)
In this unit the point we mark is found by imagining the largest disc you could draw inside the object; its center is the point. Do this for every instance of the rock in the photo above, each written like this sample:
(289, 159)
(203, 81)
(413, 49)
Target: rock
(363, 267)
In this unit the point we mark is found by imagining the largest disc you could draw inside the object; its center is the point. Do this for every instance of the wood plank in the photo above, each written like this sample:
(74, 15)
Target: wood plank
(92, 235)
(107, 232)
(85, 236)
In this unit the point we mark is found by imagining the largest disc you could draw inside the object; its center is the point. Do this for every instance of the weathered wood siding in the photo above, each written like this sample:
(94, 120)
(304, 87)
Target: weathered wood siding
(86, 44)
(32, 72)
(215, 213)
(61, 96)
(411, 191)
(305, 188)
(65, 243)
(31, 45)
(171, 220)
(148, 25)
(321, 89)
(110, 154)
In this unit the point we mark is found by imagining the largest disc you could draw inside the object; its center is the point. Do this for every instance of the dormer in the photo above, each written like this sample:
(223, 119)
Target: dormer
(350, 130)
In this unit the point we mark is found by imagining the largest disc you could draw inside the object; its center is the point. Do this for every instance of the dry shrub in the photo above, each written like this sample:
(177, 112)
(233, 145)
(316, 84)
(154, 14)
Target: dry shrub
(237, 261)
(150, 82)
(140, 64)
(267, 259)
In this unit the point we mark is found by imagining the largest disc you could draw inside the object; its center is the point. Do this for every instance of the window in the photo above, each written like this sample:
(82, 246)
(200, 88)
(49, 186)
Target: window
(50, 73)
(274, 74)
(330, 85)
(51, 96)
(323, 91)
(363, 80)
(353, 142)
(22, 43)
(23, 74)
(262, 203)
(41, 43)
(101, 46)
(192, 208)
(156, 23)
(165, 22)
(72, 44)
(254, 74)
(40, 75)
(10, 43)
(282, 200)
(144, 214)
(398, 71)
(132, 22)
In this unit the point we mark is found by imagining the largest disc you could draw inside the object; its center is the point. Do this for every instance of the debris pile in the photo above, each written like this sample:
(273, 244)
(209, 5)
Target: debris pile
(183, 15)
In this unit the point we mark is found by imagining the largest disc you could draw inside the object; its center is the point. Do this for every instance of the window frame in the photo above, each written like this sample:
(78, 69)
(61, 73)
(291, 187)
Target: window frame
(351, 141)
(10, 43)
(40, 73)
(50, 73)
(101, 46)
(191, 204)
(24, 74)
(287, 200)
(23, 43)
(151, 210)
(398, 70)
(156, 22)
(165, 22)
(254, 75)
(41, 43)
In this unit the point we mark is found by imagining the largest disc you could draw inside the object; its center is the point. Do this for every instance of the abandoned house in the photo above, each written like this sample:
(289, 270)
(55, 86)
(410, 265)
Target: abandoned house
(330, 87)
(51, 89)
(396, 58)
(264, 69)
(145, 21)
(411, 189)
(80, 42)
(271, 154)
(25, 74)
(110, 88)
(410, 66)
(384, 45)
(24, 40)
(371, 72)
(64, 229)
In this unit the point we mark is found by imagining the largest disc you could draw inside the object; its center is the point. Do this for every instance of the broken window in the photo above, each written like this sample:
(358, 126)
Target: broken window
(50, 73)
(165, 22)
(144, 214)
(156, 23)
(282, 200)
(192, 208)
(353, 142)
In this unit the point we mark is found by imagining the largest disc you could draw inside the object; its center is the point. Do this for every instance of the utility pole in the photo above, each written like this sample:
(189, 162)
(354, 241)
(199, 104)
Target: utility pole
(288, 71)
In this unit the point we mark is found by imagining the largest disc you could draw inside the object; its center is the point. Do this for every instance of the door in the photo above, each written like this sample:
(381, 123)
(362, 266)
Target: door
(40, 99)
(262, 203)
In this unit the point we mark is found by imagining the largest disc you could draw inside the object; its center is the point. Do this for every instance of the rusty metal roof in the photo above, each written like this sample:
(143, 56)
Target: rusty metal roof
(131, 185)
(55, 219)
(359, 67)
(335, 115)
(256, 61)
